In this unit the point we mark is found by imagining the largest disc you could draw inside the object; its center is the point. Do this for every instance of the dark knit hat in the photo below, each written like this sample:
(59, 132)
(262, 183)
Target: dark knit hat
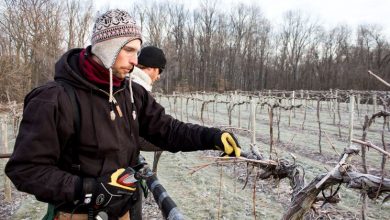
(113, 30)
(152, 56)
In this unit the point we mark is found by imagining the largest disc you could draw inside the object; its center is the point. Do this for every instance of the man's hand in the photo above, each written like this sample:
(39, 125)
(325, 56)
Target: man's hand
(227, 143)
(108, 190)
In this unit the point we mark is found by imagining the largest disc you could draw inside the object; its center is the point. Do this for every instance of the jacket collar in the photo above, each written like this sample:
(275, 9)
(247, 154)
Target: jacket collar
(142, 78)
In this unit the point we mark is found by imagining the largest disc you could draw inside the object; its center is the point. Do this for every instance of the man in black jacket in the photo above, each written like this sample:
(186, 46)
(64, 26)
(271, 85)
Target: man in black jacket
(88, 169)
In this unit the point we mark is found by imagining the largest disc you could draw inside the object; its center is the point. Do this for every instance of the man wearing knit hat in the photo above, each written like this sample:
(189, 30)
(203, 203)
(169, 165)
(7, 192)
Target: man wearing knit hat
(151, 63)
(77, 147)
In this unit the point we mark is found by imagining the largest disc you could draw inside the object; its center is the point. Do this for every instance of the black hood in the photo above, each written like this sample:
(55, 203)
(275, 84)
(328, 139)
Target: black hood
(67, 69)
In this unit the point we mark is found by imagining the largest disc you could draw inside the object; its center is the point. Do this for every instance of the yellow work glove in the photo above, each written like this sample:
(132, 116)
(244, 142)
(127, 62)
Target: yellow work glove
(227, 143)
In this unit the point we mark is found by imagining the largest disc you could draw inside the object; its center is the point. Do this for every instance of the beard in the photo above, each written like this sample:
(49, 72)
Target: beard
(122, 72)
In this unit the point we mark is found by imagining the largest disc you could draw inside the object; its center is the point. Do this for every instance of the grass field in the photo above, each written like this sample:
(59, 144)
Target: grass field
(273, 197)
(202, 195)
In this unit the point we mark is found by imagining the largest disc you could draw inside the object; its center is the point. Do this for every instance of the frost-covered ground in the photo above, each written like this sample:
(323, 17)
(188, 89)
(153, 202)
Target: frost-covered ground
(202, 195)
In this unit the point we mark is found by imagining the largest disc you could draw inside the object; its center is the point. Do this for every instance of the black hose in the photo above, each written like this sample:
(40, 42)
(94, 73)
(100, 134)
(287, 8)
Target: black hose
(165, 203)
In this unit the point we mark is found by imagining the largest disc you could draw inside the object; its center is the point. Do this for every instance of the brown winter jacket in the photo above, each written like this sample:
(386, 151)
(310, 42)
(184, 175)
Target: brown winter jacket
(40, 163)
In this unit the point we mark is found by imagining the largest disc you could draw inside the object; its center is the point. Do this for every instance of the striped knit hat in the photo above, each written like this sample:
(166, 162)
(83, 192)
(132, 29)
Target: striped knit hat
(113, 30)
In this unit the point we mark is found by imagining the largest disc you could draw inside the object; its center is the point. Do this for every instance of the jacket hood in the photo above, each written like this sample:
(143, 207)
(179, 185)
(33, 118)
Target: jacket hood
(67, 69)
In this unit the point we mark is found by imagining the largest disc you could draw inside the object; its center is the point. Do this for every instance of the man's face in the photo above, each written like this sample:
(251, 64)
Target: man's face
(154, 74)
(126, 59)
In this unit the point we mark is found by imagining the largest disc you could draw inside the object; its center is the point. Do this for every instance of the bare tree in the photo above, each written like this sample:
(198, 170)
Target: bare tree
(207, 49)
(177, 17)
(191, 57)
(298, 31)
(79, 22)
(156, 24)
(239, 19)
(369, 51)
(206, 26)
(33, 27)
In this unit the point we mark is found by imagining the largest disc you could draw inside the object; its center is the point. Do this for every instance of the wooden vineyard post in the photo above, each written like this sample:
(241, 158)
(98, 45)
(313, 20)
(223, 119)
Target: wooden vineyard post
(302, 98)
(181, 107)
(350, 136)
(313, 101)
(254, 147)
(169, 105)
(174, 104)
(174, 101)
(319, 124)
(188, 99)
(351, 112)
(330, 103)
(239, 113)
(358, 104)
(305, 109)
(214, 107)
(193, 98)
(196, 106)
(374, 103)
(253, 121)
(16, 123)
(339, 117)
(278, 116)
(290, 112)
(271, 129)
(334, 106)
(293, 102)
(269, 95)
(7, 182)
(230, 109)
(204, 107)
(250, 113)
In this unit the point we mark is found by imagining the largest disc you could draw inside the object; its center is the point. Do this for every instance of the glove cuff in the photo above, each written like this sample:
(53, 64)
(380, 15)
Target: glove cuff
(89, 187)
(83, 187)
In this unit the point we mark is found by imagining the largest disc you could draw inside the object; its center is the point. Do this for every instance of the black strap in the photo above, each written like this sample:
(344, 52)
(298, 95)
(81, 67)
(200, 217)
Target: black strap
(74, 141)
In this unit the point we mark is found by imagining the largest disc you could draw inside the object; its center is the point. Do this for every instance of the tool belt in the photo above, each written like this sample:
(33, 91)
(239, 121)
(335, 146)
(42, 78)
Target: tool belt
(69, 216)
(61, 211)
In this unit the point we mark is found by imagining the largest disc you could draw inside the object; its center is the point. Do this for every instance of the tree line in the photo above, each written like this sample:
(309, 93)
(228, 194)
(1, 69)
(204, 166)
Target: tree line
(208, 47)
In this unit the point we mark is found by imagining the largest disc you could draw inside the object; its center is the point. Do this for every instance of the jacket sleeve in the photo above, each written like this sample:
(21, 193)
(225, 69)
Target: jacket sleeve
(33, 164)
(169, 133)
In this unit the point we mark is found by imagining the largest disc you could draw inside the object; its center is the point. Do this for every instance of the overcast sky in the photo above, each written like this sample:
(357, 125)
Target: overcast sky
(328, 12)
